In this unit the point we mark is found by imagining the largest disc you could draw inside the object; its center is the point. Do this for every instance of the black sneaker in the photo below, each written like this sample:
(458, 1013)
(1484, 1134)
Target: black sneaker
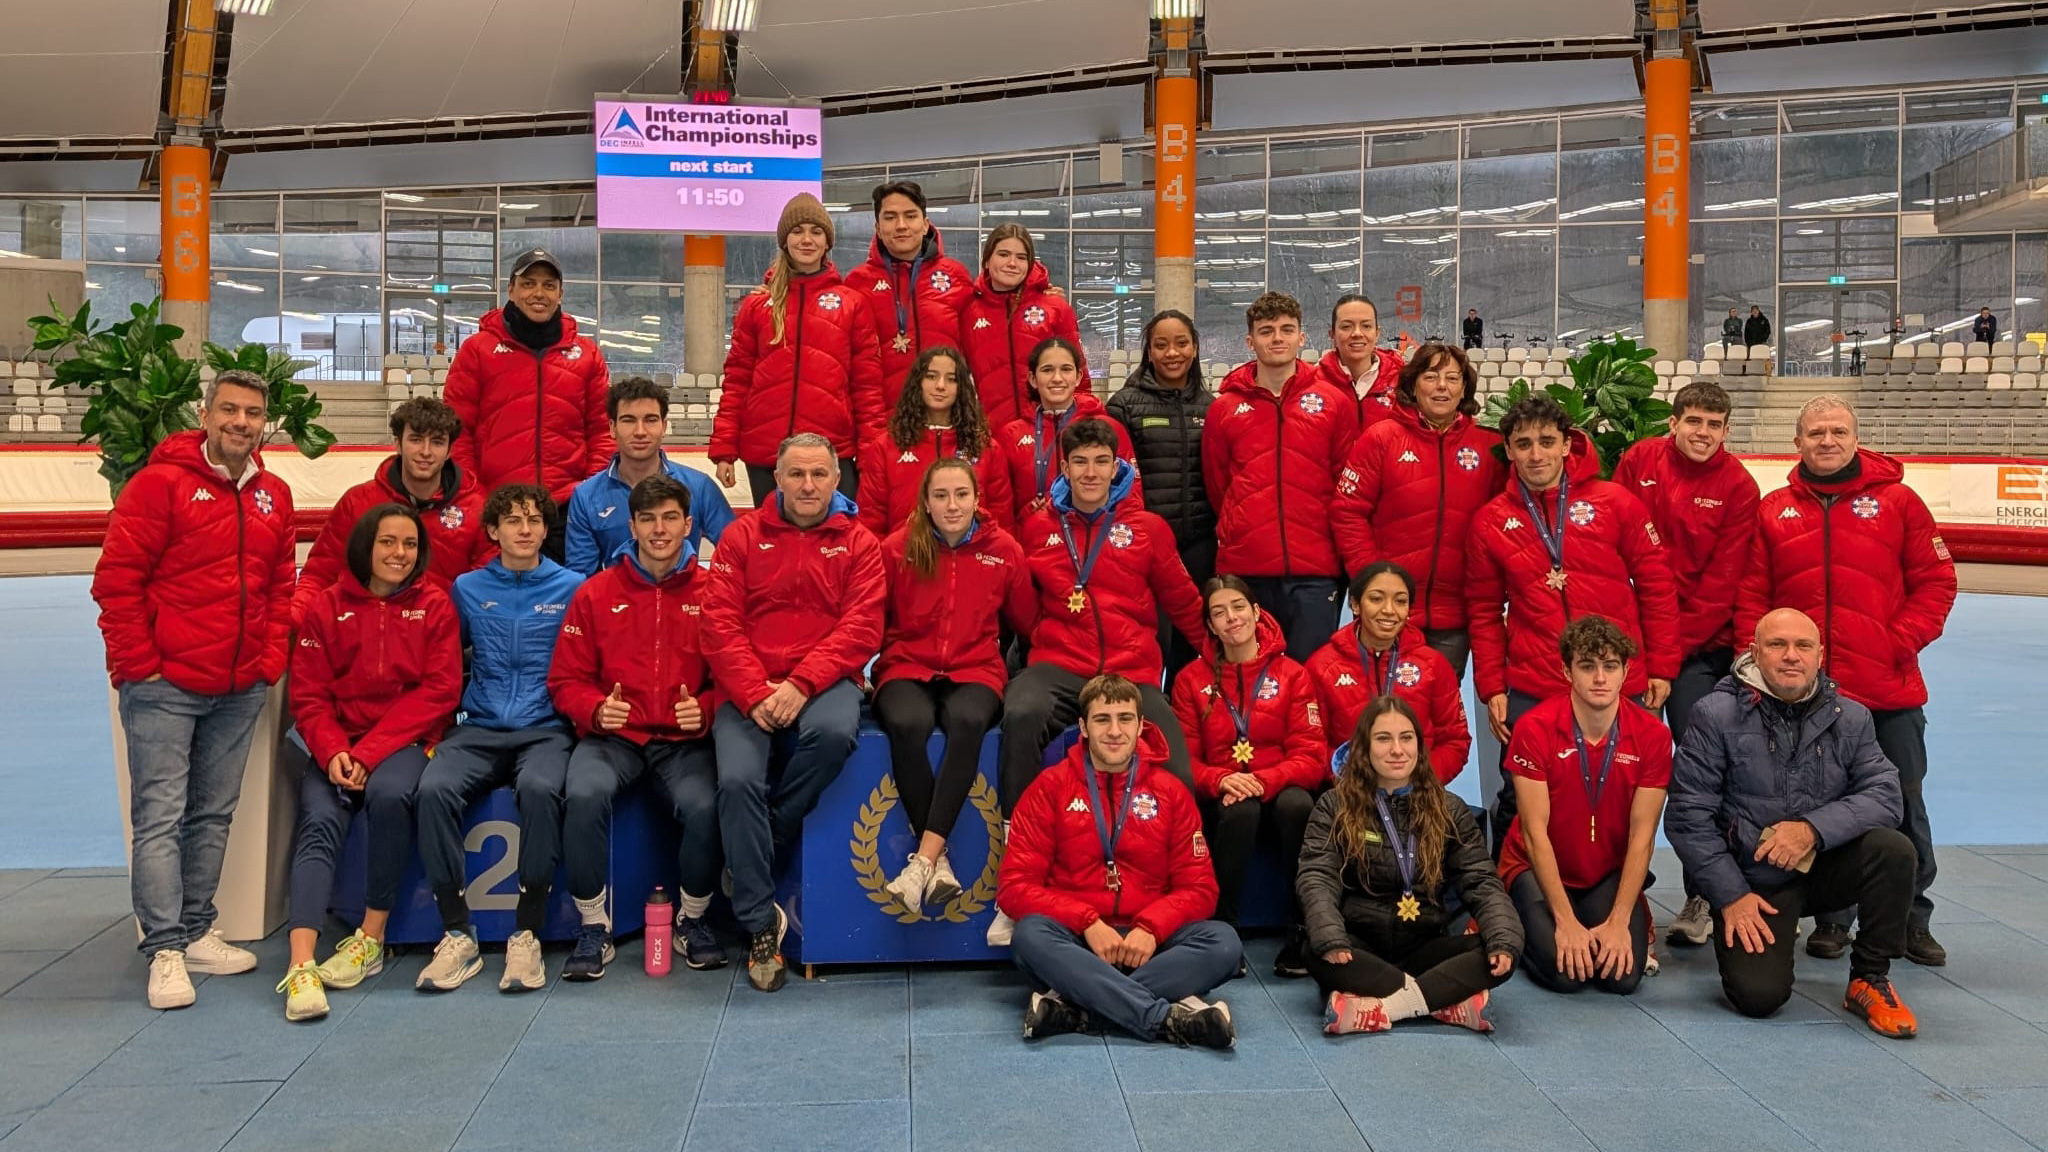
(765, 969)
(592, 952)
(1208, 1026)
(1288, 964)
(1923, 949)
(698, 944)
(1828, 941)
(1049, 1015)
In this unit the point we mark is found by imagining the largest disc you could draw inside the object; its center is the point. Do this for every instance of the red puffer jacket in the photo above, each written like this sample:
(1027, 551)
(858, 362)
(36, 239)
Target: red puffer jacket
(1053, 864)
(1407, 494)
(530, 417)
(1283, 723)
(998, 341)
(823, 376)
(1030, 452)
(1378, 402)
(892, 478)
(454, 519)
(1869, 567)
(373, 674)
(195, 578)
(625, 628)
(1139, 571)
(929, 291)
(796, 604)
(944, 625)
(1615, 567)
(1346, 680)
(1270, 464)
(1707, 516)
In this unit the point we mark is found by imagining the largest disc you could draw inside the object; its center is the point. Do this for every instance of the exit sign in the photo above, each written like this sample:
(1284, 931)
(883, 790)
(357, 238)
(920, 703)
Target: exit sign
(440, 289)
(1838, 279)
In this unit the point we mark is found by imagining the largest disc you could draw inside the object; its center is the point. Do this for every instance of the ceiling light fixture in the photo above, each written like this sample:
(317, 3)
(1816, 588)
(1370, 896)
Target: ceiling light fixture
(243, 7)
(1176, 9)
(728, 15)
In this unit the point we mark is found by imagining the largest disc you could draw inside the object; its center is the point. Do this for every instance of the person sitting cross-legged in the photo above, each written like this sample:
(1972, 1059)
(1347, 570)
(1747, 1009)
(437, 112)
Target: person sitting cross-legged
(1107, 876)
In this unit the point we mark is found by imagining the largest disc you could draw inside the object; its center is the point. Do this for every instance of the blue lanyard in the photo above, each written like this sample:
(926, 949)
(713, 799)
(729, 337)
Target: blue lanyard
(1043, 447)
(1082, 569)
(1393, 662)
(1552, 533)
(1243, 718)
(1404, 850)
(1595, 790)
(1102, 830)
(903, 308)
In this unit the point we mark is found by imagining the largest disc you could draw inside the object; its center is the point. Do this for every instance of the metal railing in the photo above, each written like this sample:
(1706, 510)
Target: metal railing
(1994, 170)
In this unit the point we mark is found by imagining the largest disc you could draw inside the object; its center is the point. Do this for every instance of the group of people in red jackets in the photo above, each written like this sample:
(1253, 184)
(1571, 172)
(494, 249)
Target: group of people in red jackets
(1003, 564)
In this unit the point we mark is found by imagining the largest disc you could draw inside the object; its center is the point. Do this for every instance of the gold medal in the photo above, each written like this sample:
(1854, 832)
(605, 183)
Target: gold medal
(1409, 908)
(902, 342)
(1077, 601)
(1592, 830)
(1242, 751)
(1556, 579)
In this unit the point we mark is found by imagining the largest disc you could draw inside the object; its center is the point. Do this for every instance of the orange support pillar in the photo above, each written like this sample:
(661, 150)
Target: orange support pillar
(187, 212)
(703, 303)
(1667, 204)
(1176, 112)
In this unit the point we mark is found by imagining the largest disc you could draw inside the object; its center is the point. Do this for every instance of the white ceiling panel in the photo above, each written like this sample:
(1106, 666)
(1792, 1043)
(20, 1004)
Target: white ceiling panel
(85, 68)
(401, 59)
(1720, 14)
(1267, 25)
(815, 48)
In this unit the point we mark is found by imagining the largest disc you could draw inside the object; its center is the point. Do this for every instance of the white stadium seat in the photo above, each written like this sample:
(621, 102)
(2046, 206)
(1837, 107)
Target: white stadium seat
(1977, 364)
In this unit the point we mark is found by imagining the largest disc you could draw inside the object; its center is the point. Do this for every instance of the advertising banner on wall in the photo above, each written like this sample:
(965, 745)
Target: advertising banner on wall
(708, 169)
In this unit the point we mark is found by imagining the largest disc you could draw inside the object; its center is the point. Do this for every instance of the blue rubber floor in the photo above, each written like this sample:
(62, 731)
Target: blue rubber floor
(895, 1058)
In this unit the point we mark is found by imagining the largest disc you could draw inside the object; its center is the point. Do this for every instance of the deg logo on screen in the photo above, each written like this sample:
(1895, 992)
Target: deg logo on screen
(681, 166)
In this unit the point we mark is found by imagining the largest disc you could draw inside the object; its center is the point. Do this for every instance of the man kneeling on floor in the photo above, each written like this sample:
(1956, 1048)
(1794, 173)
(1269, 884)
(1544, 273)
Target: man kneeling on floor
(1108, 878)
(1781, 801)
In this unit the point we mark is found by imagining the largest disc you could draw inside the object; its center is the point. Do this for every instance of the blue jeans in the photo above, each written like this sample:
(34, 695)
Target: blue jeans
(760, 811)
(186, 755)
(1191, 962)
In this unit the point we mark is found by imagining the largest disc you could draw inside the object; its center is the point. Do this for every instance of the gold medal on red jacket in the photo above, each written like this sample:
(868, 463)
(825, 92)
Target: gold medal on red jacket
(902, 342)
(1556, 578)
(1077, 601)
(1242, 752)
(1409, 907)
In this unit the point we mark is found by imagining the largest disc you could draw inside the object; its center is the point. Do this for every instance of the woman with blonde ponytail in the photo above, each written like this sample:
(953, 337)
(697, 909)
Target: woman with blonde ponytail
(1384, 848)
(803, 359)
(952, 575)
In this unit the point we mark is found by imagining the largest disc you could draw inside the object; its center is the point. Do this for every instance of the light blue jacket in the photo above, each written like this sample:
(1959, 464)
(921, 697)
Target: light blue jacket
(599, 522)
(509, 622)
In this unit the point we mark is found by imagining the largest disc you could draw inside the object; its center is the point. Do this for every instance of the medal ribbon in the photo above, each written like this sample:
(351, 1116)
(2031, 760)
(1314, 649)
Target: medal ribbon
(1393, 662)
(904, 300)
(1404, 851)
(1553, 532)
(1594, 790)
(1083, 570)
(1102, 829)
(1243, 718)
(1043, 447)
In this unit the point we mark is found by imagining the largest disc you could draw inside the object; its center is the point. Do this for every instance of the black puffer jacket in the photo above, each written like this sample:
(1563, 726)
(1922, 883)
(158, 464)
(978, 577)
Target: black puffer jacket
(1345, 906)
(1166, 434)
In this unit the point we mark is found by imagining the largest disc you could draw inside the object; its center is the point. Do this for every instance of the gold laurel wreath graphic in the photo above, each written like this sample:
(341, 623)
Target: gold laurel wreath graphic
(867, 833)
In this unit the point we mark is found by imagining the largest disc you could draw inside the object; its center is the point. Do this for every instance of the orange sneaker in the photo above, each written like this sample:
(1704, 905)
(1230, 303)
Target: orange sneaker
(1347, 1012)
(1878, 1003)
(1466, 1013)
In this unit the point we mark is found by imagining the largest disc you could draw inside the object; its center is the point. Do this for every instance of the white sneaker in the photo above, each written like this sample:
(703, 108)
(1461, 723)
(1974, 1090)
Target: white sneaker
(456, 959)
(1695, 923)
(355, 959)
(944, 887)
(909, 884)
(212, 955)
(1001, 929)
(525, 971)
(304, 998)
(169, 985)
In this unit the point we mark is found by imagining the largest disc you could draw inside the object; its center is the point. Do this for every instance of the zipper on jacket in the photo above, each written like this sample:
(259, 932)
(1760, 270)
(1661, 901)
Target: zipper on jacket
(540, 393)
(659, 655)
(1010, 340)
(1280, 481)
(1436, 553)
(383, 641)
(796, 370)
(1827, 575)
(241, 585)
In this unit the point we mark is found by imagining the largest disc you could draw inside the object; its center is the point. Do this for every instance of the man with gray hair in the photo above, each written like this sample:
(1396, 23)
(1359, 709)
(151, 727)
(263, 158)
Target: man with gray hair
(1849, 544)
(792, 612)
(194, 585)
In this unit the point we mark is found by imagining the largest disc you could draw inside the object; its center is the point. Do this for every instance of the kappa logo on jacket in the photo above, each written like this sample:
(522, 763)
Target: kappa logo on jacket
(200, 496)
(502, 347)
(881, 285)
(909, 457)
(1789, 513)
(1077, 805)
(1242, 408)
(1408, 458)
(1512, 524)
(1052, 541)
(981, 323)
(1027, 440)
(1344, 680)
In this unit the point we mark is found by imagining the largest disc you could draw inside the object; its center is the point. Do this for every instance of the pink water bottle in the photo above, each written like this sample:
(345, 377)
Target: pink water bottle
(661, 930)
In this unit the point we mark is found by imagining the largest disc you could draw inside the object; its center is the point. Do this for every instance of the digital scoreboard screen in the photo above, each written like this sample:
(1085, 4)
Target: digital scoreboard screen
(676, 166)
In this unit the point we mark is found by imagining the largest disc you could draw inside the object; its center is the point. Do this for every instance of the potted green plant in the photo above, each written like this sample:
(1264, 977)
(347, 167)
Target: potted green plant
(140, 390)
(1612, 398)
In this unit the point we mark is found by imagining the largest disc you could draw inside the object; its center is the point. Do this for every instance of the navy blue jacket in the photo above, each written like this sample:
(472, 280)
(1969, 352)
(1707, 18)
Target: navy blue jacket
(599, 522)
(509, 622)
(1741, 769)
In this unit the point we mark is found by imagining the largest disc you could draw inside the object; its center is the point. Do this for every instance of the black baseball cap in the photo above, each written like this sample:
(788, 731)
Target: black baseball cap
(532, 256)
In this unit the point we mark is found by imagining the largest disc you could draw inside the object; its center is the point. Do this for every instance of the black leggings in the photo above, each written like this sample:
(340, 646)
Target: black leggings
(1449, 970)
(908, 711)
(1591, 906)
(1234, 837)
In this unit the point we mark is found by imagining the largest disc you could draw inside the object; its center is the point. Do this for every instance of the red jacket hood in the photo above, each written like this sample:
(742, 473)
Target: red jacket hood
(1272, 641)
(1412, 418)
(493, 322)
(1086, 404)
(1584, 461)
(826, 275)
(392, 484)
(188, 450)
(1245, 378)
(1036, 280)
(1151, 751)
(349, 588)
(1345, 638)
(1878, 468)
(880, 258)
